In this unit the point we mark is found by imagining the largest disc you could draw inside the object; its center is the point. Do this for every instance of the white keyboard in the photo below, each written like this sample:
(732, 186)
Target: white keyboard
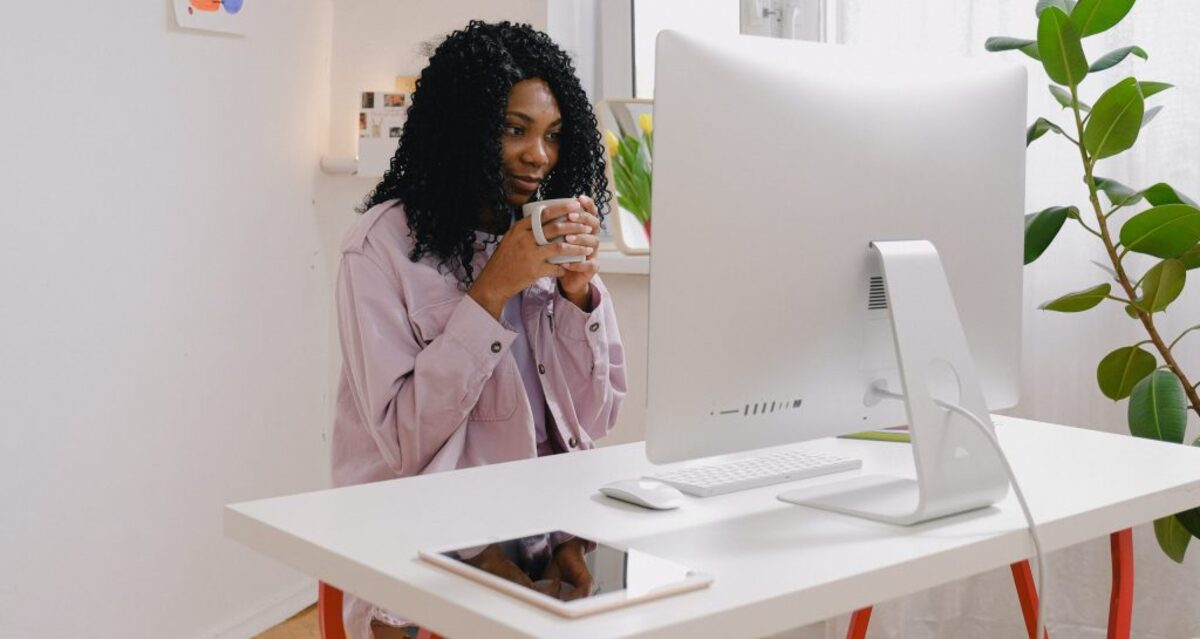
(752, 472)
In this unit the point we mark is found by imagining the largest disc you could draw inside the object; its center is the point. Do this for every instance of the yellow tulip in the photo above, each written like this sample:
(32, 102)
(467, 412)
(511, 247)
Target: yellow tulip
(612, 143)
(646, 123)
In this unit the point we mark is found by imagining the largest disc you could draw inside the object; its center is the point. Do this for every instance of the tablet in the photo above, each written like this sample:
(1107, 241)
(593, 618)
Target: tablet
(530, 569)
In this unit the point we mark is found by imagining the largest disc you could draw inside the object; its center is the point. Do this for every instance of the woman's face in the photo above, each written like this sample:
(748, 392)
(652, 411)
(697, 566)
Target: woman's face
(529, 141)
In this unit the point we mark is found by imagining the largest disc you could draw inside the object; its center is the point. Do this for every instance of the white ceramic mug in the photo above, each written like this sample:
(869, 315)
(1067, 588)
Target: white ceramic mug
(534, 210)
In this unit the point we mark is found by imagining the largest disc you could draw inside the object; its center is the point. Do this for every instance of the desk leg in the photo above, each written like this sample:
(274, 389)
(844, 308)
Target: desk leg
(1120, 607)
(858, 624)
(1027, 595)
(1120, 610)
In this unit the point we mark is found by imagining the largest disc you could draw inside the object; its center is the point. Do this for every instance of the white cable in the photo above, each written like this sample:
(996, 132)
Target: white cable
(990, 436)
(1012, 477)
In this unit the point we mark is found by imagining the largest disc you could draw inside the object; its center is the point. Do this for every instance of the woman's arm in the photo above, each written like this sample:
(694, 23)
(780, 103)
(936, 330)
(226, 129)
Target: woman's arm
(412, 398)
(593, 358)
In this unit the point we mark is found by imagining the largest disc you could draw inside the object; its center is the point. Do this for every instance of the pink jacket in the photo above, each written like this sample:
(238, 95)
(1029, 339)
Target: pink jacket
(428, 383)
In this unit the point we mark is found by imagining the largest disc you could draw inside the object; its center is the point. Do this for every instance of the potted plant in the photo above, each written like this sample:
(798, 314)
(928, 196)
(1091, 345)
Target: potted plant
(632, 162)
(1156, 221)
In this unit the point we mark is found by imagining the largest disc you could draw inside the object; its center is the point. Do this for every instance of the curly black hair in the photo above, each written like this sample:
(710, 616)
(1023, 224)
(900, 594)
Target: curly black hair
(448, 167)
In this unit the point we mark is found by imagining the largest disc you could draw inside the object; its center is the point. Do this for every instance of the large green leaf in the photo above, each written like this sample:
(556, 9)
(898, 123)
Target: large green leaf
(1163, 193)
(1116, 120)
(1162, 285)
(1158, 408)
(1114, 57)
(1067, 6)
(1172, 537)
(1150, 88)
(1094, 16)
(1041, 228)
(1118, 194)
(1063, 97)
(1163, 231)
(1005, 43)
(1039, 128)
(1079, 300)
(1062, 53)
(1121, 369)
(1190, 258)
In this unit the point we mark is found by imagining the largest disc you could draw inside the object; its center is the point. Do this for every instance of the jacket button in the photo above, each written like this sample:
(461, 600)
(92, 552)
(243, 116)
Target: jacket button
(572, 443)
(594, 327)
(541, 369)
(496, 347)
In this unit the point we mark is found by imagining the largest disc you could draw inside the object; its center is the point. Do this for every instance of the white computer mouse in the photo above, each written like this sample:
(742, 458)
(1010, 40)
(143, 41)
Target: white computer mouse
(646, 493)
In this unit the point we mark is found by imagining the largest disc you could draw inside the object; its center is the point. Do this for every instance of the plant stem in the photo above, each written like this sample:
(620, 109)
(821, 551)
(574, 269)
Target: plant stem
(1176, 340)
(1147, 319)
(1086, 227)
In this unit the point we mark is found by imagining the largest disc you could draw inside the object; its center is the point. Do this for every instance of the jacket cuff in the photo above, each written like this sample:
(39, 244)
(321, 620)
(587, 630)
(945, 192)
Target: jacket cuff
(478, 333)
(575, 323)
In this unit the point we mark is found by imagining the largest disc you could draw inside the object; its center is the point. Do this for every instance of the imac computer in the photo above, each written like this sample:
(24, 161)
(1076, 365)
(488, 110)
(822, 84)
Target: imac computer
(837, 248)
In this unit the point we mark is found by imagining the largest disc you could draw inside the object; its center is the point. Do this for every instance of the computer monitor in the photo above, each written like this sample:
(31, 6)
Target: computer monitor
(814, 206)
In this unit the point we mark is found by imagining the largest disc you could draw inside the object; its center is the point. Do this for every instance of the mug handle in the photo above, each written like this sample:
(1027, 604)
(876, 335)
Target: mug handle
(539, 234)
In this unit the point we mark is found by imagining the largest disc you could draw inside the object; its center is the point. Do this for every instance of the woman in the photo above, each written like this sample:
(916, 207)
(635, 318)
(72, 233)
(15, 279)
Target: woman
(462, 345)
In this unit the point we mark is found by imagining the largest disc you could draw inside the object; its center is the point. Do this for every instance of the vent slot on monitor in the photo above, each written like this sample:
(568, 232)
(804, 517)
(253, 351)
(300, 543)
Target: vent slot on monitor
(752, 409)
(876, 294)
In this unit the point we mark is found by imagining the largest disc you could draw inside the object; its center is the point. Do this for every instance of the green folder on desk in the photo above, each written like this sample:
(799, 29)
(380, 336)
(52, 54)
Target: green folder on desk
(888, 435)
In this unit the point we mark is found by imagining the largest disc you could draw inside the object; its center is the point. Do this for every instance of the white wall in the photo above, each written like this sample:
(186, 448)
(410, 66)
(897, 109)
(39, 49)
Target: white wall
(161, 284)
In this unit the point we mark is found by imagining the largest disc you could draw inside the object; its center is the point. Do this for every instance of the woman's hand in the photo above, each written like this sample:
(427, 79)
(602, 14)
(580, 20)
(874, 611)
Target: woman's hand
(519, 261)
(575, 281)
(569, 565)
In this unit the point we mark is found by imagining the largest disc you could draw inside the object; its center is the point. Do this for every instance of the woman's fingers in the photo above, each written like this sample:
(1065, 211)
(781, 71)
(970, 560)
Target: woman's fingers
(559, 229)
(556, 249)
(583, 240)
(589, 205)
(591, 220)
(589, 266)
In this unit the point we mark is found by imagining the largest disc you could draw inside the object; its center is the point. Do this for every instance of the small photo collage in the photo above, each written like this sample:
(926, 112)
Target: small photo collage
(382, 114)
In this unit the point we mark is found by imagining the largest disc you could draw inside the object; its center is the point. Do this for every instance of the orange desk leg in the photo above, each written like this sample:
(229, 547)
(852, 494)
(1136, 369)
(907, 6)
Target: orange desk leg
(1027, 595)
(858, 624)
(329, 611)
(1120, 606)
(1120, 610)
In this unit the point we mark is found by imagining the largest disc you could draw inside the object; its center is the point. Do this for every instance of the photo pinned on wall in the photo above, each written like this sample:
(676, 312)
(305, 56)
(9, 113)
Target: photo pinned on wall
(380, 123)
(221, 16)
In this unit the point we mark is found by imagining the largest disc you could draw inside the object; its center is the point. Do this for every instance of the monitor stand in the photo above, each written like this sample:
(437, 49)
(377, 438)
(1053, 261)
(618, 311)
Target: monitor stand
(956, 468)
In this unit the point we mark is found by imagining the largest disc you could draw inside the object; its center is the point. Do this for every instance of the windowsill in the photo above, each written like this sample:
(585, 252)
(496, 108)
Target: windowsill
(617, 263)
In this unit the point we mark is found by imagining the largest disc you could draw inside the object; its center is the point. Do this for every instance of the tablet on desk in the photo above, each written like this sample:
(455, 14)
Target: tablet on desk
(529, 569)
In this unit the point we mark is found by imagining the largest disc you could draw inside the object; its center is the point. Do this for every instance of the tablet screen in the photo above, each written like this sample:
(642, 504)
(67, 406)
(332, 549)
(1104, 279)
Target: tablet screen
(568, 567)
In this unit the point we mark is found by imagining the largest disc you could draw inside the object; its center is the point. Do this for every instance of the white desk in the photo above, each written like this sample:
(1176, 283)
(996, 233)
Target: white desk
(776, 565)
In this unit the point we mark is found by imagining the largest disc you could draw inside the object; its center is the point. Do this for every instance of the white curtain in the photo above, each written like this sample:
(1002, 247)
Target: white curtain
(1061, 351)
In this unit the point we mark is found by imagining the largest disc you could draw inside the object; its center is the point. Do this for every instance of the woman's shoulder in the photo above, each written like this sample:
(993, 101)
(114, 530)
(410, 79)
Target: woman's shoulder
(382, 228)
(381, 236)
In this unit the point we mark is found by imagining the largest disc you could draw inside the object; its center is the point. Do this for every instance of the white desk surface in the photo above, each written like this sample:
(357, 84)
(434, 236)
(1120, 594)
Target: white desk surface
(776, 565)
